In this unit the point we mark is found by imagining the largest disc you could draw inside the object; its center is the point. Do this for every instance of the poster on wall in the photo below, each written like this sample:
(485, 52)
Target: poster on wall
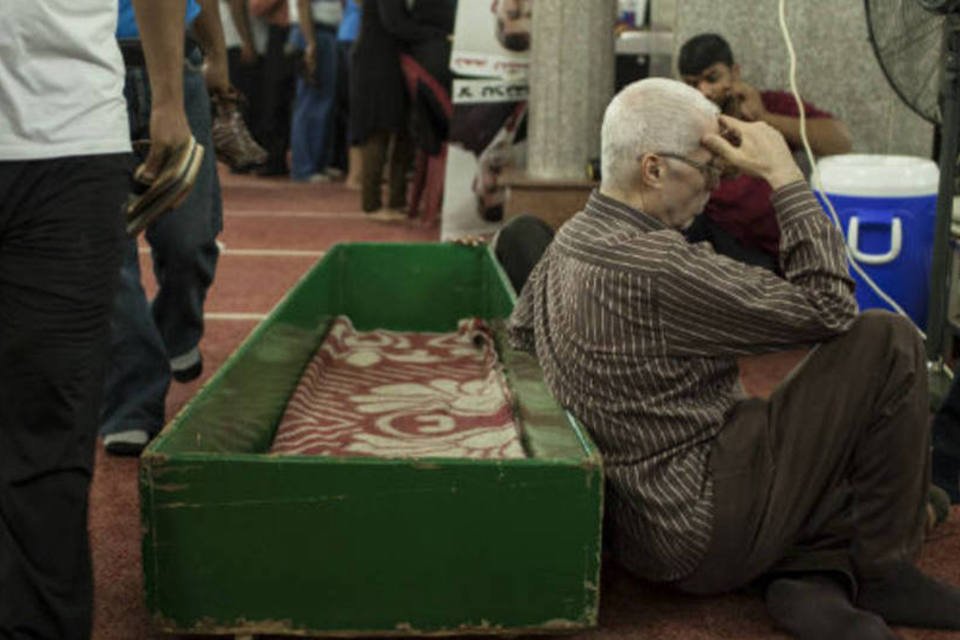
(491, 38)
(488, 127)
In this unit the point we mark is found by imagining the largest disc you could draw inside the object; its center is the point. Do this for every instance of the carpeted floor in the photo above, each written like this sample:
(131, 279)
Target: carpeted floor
(273, 232)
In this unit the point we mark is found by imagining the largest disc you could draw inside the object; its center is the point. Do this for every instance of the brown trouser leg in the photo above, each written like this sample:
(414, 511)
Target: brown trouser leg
(374, 156)
(830, 473)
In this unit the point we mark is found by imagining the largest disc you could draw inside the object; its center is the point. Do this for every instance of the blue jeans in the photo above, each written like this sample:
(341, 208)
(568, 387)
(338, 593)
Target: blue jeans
(147, 336)
(311, 128)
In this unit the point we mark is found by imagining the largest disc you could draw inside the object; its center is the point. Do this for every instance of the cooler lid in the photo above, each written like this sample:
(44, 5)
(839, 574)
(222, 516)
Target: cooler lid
(860, 174)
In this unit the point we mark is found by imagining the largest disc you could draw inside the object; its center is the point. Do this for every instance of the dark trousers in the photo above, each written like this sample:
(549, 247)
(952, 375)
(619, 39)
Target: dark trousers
(278, 84)
(342, 139)
(375, 151)
(518, 246)
(60, 234)
(829, 474)
(946, 443)
(248, 80)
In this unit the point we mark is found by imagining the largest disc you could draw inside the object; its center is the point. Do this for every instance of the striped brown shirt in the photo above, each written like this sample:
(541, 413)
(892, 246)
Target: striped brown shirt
(638, 331)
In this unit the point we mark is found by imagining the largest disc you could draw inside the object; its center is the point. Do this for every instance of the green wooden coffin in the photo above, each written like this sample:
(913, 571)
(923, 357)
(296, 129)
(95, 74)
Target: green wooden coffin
(240, 541)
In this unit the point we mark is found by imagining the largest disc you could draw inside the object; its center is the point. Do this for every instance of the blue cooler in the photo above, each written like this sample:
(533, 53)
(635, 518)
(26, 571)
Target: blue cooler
(887, 209)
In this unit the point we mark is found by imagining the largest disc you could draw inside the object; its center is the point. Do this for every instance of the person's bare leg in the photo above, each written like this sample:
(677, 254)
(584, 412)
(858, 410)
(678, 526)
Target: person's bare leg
(353, 180)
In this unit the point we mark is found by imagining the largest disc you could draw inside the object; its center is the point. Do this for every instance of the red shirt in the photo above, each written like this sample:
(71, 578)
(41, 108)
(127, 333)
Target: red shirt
(741, 205)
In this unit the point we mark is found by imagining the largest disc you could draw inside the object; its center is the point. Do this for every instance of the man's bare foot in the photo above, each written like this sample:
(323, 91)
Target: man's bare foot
(388, 216)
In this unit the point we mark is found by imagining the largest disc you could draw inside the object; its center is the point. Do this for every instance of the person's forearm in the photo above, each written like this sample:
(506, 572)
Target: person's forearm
(209, 33)
(161, 33)
(306, 23)
(827, 136)
(812, 248)
(240, 13)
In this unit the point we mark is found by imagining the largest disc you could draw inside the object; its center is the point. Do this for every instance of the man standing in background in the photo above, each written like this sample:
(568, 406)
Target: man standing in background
(246, 39)
(278, 81)
(155, 340)
(313, 35)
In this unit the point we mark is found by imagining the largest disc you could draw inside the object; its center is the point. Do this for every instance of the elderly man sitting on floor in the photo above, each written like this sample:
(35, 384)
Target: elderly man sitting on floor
(819, 491)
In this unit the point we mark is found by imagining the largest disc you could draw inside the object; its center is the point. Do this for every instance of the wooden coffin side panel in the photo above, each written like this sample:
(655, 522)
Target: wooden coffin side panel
(360, 546)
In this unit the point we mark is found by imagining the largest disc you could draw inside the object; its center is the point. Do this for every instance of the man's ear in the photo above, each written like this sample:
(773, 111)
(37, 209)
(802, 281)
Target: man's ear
(735, 72)
(651, 170)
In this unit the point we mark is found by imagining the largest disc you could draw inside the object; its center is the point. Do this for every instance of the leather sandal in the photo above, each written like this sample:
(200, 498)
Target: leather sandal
(153, 198)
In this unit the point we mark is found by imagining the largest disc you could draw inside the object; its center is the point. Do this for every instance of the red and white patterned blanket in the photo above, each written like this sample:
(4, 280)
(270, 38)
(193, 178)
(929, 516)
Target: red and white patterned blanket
(396, 394)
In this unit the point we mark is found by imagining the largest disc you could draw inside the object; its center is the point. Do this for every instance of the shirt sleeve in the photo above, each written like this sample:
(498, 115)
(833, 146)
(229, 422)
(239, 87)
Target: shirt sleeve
(708, 303)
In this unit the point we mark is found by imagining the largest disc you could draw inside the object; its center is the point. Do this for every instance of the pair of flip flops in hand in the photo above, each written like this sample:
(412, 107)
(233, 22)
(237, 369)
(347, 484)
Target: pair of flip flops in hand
(151, 197)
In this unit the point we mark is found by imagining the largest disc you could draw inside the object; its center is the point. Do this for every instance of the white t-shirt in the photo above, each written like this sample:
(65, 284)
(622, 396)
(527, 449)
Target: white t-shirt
(231, 35)
(61, 79)
(324, 12)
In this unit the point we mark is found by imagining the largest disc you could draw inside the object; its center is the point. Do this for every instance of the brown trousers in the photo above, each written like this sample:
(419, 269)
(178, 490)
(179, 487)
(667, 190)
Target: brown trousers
(831, 473)
(374, 157)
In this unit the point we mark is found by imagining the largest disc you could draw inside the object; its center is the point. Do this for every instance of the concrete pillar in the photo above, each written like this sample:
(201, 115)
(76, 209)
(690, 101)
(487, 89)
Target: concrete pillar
(571, 82)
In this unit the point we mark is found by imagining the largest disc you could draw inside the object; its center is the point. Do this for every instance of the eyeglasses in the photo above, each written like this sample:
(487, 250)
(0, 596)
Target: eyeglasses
(711, 173)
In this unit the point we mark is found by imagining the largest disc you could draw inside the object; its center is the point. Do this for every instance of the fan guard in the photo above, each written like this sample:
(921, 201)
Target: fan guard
(907, 39)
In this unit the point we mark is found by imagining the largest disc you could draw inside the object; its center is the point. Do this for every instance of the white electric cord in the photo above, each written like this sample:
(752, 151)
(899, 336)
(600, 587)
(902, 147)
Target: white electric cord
(818, 185)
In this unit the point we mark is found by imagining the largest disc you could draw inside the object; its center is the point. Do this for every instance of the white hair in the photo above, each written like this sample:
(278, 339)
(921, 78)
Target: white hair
(656, 114)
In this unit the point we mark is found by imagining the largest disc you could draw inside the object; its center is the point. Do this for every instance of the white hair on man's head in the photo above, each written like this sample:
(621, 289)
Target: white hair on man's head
(656, 114)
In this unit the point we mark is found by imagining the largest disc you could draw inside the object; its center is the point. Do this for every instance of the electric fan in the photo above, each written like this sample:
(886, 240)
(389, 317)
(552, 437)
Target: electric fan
(917, 43)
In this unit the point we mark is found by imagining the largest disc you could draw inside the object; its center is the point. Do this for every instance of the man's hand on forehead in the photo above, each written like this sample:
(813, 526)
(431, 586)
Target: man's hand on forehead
(755, 148)
(728, 133)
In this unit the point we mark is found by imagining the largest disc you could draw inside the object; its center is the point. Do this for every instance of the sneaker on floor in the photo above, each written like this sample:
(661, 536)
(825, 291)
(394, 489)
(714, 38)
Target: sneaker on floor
(313, 178)
(126, 443)
(334, 173)
(187, 367)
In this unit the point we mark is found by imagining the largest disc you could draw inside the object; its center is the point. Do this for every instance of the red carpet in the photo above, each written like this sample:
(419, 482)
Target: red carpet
(263, 216)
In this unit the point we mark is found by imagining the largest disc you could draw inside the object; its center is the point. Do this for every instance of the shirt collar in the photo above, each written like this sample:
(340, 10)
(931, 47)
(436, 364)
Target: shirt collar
(606, 207)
